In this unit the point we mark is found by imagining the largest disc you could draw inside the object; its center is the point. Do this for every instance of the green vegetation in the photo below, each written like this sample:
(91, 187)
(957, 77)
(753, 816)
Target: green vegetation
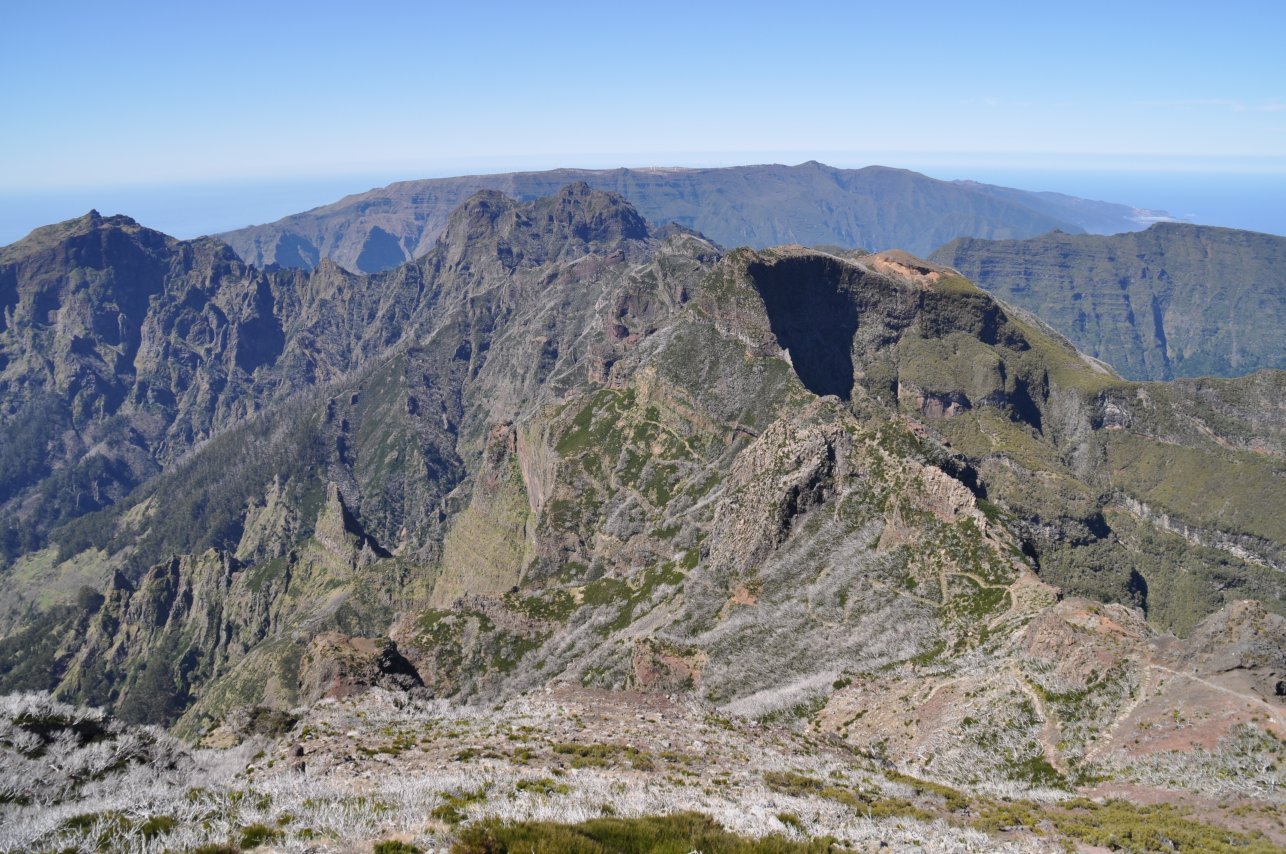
(674, 834)
(870, 803)
(605, 755)
(469, 640)
(28, 657)
(595, 424)
(1181, 480)
(615, 443)
(554, 605)
(401, 743)
(258, 834)
(56, 491)
(510, 649)
(543, 786)
(25, 442)
(1123, 826)
(109, 831)
(1001, 816)
(627, 596)
(954, 800)
(393, 846)
(1036, 770)
(804, 710)
(452, 808)
(1081, 712)
(205, 496)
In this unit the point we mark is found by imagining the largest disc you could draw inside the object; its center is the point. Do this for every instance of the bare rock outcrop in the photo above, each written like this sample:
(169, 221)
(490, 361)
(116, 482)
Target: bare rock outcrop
(338, 665)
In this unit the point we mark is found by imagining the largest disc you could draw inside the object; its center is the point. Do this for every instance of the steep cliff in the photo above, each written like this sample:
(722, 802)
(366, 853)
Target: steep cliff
(1176, 300)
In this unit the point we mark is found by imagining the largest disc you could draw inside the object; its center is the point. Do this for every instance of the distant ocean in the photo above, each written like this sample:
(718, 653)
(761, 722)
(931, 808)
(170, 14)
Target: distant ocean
(1233, 199)
(1253, 201)
(180, 210)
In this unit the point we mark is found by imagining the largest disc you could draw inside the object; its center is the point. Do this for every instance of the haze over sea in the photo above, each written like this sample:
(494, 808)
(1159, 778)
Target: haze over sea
(205, 121)
(1251, 196)
(1255, 201)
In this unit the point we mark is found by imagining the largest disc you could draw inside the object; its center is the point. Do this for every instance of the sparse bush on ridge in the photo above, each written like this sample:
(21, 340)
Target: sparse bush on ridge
(1249, 761)
(51, 749)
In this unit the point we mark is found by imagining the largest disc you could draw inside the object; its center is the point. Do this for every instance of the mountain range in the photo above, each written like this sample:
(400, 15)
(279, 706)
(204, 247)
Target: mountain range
(757, 206)
(567, 465)
(1170, 301)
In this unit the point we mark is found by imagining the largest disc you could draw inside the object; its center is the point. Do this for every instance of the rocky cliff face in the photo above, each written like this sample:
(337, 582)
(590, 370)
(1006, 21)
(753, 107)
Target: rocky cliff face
(1176, 300)
(567, 450)
(873, 208)
(121, 349)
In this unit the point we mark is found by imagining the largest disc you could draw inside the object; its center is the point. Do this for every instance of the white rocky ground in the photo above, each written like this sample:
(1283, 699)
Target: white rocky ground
(353, 772)
(357, 771)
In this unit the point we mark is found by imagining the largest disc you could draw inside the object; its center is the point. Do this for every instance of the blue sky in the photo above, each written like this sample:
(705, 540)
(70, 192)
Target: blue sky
(135, 94)
(152, 92)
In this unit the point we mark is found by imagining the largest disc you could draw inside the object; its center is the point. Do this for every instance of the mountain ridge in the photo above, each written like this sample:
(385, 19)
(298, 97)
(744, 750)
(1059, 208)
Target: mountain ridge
(491, 275)
(874, 207)
(848, 493)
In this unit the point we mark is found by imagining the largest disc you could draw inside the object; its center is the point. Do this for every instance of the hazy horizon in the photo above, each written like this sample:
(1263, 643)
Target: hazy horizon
(1224, 195)
(254, 111)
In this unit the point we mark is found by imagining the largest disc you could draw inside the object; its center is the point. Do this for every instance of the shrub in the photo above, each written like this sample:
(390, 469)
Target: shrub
(393, 846)
(255, 835)
(679, 834)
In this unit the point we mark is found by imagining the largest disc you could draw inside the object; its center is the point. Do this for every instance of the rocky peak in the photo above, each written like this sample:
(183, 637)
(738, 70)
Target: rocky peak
(1244, 643)
(341, 533)
(589, 215)
(73, 238)
(490, 227)
(839, 317)
(898, 263)
(337, 665)
(478, 216)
